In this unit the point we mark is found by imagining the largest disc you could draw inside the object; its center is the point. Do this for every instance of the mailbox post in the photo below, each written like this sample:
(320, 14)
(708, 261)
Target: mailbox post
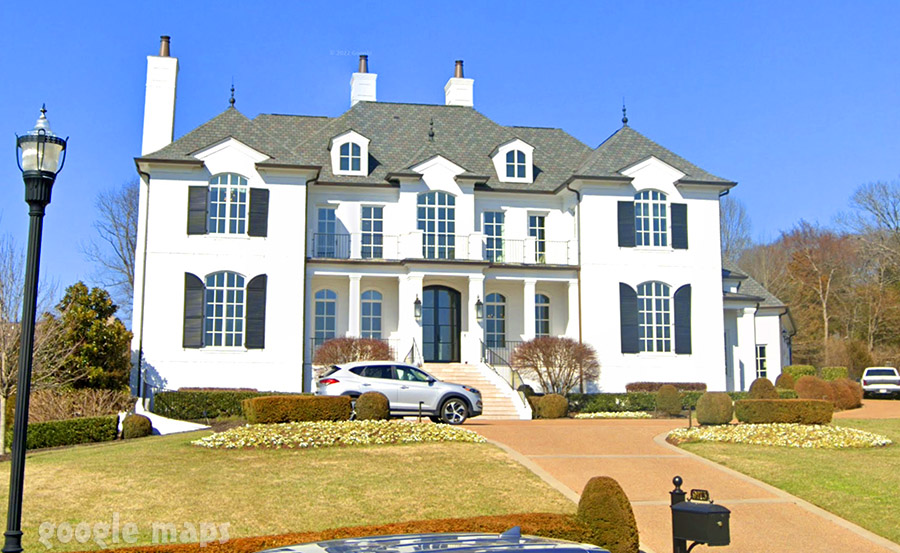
(697, 519)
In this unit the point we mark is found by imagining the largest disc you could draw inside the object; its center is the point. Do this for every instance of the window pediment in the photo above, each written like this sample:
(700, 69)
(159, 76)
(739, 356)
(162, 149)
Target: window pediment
(350, 154)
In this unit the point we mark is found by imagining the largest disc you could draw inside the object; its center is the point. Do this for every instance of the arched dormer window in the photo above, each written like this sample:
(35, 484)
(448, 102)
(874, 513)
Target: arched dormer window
(651, 219)
(514, 161)
(515, 164)
(227, 206)
(350, 154)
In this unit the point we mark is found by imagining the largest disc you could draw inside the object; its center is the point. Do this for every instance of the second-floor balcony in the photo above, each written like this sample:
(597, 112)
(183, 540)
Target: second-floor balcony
(459, 247)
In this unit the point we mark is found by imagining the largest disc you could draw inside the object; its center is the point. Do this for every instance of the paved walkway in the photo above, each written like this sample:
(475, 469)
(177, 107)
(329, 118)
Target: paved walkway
(567, 453)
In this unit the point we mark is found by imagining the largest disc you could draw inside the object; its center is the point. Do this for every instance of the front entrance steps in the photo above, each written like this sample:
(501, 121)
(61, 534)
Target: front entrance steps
(500, 402)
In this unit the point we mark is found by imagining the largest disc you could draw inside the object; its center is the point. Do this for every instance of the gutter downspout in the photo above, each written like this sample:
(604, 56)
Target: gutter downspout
(305, 342)
(140, 359)
(578, 272)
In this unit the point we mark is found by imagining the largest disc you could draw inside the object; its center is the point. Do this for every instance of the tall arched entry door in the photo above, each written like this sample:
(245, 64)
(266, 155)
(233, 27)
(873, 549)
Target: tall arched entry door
(440, 324)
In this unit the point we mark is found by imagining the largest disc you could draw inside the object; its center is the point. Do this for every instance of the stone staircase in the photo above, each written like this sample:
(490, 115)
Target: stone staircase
(498, 402)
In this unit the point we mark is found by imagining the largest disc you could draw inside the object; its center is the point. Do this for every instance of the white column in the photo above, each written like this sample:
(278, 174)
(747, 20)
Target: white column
(528, 307)
(471, 339)
(408, 328)
(572, 323)
(745, 360)
(353, 307)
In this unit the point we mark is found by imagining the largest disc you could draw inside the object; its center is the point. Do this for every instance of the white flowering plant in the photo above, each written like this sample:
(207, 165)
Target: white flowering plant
(781, 434)
(615, 415)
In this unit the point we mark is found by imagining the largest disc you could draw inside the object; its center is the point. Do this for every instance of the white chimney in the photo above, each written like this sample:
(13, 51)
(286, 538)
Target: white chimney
(362, 84)
(459, 91)
(159, 103)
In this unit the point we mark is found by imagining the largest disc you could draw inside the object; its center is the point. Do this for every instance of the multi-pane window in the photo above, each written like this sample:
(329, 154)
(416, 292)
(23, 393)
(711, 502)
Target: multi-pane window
(325, 321)
(372, 232)
(537, 229)
(493, 236)
(350, 157)
(654, 317)
(541, 315)
(515, 164)
(651, 219)
(495, 320)
(437, 221)
(761, 369)
(326, 233)
(224, 321)
(371, 314)
(227, 204)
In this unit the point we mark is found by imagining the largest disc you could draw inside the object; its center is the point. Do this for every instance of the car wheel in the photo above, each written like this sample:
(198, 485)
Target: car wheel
(454, 411)
(435, 418)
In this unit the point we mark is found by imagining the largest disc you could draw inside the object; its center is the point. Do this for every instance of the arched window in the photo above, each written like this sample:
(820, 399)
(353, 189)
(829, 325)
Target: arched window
(350, 156)
(326, 316)
(437, 221)
(224, 308)
(495, 321)
(227, 209)
(541, 315)
(515, 164)
(651, 221)
(371, 314)
(654, 317)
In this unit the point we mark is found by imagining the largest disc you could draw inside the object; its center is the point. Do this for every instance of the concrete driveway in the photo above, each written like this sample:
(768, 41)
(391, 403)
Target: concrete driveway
(568, 452)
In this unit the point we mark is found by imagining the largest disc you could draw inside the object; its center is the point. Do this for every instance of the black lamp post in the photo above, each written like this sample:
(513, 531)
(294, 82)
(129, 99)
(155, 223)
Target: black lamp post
(41, 155)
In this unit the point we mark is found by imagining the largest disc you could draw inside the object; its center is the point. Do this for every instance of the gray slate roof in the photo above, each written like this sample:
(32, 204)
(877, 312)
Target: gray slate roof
(749, 286)
(399, 138)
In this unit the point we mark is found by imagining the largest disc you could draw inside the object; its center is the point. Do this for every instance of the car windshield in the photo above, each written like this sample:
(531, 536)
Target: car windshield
(409, 373)
(881, 372)
(330, 371)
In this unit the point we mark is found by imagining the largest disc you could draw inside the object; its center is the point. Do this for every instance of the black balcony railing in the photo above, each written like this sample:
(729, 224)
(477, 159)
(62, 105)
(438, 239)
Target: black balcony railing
(331, 246)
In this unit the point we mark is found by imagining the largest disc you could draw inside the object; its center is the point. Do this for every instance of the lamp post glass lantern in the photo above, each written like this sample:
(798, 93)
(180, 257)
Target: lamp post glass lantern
(41, 156)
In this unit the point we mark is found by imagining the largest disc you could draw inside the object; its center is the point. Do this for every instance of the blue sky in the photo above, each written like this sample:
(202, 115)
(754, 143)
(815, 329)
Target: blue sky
(797, 101)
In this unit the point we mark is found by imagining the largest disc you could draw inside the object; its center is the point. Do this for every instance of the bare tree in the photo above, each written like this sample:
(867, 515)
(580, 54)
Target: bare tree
(767, 264)
(876, 218)
(557, 363)
(735, 227)
(114, 246)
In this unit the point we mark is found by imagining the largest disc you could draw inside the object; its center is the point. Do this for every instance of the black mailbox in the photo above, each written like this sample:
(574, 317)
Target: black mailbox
(701, 522)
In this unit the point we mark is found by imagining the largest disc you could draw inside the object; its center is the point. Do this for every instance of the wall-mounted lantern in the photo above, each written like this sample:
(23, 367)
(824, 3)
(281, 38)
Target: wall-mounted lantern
(417, 309)
(479, 309)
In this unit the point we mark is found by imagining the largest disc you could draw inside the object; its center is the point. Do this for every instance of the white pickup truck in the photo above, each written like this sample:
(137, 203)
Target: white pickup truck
(881, 381)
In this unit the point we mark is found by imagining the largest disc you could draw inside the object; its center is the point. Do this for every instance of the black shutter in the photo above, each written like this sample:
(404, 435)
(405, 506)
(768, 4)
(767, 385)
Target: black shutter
(683, 319)
(679, 226)
(628, 315)
(256, 313)
(259, 212)
(626, 224)
(193, 311)
(197, 196)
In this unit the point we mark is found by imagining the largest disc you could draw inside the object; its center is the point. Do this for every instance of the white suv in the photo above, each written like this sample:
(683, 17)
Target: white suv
(410, 390)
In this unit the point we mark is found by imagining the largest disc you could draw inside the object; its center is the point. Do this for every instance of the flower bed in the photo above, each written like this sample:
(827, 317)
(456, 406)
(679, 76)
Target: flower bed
(780, 434)
(615, 415)
(303, 435)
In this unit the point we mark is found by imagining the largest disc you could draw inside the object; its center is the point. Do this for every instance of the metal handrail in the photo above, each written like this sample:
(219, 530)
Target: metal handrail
(414, 356)
(489, 357)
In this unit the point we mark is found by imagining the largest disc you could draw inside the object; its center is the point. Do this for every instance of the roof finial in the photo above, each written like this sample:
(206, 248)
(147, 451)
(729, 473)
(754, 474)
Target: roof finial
(431, 130)
(43, 110)
(624, 114)
(231, 100)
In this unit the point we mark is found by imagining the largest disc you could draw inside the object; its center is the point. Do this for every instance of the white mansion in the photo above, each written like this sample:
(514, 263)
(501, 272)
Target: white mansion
(431, 227)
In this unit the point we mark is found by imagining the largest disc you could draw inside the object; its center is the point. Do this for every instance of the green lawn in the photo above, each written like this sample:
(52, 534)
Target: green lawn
(260, 492)
(860, 485)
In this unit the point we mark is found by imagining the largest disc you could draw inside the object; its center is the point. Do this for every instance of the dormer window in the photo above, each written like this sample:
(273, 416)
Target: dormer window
(350, 154)
(515, 164)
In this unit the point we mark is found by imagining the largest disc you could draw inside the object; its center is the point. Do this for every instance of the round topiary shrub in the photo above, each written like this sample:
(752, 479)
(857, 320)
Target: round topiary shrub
(136, 426)
(845, 397)
(715, 408)
(784, 381)
(813, 387)
(604, 509)
(762, 388)
(552, 406)
(857, 391)
(668, 400)
(372, 406)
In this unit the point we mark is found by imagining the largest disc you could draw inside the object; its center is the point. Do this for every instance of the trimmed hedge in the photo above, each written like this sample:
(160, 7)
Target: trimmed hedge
(715, 408)
(802, 411)
(604, 507)
(294, 408)
(784, 381)
(197, 404)
(70, 432)
(762, 388)
(550, 406)
(813, 387)
(644, 401)
(834, 373)
(373, 406)
(655, 386)
(668, 400)
(796, 371)
(136, 426)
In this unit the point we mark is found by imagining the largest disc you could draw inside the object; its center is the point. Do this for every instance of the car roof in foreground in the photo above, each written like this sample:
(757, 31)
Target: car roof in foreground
(353, 364)
(456, 543)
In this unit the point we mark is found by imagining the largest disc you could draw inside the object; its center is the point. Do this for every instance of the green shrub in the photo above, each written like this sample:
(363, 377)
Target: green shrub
(845, 394)
(813, 387)
(136, 426)
(796, 371)
(833, 373)
(715, 408)
(552, 406)
(784, 381)
(526, 390)
(855, 389)
(802, 411)
(533, 403)
(644, 401)
(762, 388)
(655, 386)
(203, 404)
(373, 406)
(293, 408)
(668, 400)
(70, 432)
(604, 508)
